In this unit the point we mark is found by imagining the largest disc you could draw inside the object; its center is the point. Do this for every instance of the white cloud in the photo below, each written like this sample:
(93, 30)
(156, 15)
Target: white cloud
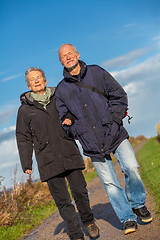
(125, 60)
(149, 70)
(52, 50)
(157, 39)
(130, 25)
(133, 88)
(7, 113)
(11, 77)
(1, 73)
(7, 133)
(9, 162)
(8, 153)
(9, 129)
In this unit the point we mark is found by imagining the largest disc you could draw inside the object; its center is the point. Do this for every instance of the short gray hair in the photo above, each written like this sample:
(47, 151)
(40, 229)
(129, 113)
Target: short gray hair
(64, 44)
(33, 69)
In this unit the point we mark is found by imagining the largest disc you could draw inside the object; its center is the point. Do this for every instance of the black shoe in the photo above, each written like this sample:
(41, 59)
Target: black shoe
(130, 226)
(143, 214)
(79, 238)
(93, 230)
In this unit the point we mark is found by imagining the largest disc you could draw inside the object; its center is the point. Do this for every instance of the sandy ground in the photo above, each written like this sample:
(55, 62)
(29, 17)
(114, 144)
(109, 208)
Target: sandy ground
(110, 228)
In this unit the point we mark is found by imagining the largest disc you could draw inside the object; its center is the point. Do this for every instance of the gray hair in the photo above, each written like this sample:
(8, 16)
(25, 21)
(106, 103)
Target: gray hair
(69, 44)
(33, 69)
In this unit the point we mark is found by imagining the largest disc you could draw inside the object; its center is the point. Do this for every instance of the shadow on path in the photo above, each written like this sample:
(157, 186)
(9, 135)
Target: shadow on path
(60, 228)
(105, 212)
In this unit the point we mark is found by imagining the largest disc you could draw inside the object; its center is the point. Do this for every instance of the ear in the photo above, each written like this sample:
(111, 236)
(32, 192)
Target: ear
(78, 56)
(45, 82)
(29, 87)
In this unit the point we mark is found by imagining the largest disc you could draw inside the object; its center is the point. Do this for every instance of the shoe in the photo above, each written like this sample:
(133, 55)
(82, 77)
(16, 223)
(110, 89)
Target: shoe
(130, 226)
(75, 238)
(79, 238)
(143, 214)
(93, 230)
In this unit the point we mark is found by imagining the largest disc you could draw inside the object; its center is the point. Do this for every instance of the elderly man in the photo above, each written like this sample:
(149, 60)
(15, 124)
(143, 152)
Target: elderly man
(98, 105)
(57, 154)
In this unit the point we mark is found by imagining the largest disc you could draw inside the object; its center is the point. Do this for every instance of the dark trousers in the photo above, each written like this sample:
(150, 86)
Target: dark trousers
(58, 188)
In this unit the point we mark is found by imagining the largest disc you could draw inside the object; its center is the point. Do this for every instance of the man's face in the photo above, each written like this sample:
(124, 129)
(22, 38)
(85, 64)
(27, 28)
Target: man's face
(36, 82)
(68, 57)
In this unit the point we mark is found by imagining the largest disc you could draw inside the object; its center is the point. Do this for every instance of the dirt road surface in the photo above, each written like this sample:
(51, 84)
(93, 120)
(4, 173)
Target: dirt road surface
(110, 228)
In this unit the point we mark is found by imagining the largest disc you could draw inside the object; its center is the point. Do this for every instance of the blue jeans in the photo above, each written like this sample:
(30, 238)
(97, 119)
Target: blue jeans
(134, 195)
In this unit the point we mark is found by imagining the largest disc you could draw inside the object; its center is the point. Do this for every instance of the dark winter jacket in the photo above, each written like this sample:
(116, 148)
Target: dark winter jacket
(40, 129)
(97, 121)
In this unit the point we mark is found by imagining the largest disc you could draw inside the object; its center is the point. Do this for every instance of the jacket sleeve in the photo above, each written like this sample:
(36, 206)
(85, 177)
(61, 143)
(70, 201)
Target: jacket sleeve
(63, 111)
(24, 141)
(69, 116)
(117, 97)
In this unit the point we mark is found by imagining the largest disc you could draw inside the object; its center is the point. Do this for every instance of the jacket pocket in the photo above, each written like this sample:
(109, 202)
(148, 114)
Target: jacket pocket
(42, 146)
(108, 119)
(107, 129)
(44, 154)
(84, 133)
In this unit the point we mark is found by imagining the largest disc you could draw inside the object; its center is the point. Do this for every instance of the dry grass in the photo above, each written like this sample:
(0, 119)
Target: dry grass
(15, 203)
(134, 141)
(158, 131)
(88, 165)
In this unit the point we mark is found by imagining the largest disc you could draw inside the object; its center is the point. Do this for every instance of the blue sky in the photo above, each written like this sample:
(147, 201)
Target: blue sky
(121, 36)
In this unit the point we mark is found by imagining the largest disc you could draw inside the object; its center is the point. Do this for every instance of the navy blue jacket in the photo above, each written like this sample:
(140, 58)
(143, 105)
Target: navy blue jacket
(97, 121)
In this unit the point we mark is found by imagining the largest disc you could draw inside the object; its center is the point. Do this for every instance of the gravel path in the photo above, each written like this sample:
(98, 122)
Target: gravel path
(110, 228)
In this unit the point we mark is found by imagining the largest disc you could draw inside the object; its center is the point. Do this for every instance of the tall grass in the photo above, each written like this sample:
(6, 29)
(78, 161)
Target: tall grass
(149, 161)
(23, 208)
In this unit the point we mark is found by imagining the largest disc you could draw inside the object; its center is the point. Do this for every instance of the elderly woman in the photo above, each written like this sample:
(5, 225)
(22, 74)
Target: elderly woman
(57, 155)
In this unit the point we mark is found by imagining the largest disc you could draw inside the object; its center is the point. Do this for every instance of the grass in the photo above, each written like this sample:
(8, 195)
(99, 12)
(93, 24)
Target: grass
(90, 175)
(149, 161)
(34, 217)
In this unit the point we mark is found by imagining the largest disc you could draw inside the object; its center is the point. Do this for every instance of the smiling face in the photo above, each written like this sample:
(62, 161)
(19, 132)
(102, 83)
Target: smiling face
(69, 57)
(36, 82)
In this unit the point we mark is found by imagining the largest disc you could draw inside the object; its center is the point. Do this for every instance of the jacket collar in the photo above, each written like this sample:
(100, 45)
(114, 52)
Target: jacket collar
(27, 98)
(72, 78)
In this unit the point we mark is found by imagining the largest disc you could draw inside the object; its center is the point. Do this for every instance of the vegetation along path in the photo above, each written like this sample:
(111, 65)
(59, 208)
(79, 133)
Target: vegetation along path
(110, 227)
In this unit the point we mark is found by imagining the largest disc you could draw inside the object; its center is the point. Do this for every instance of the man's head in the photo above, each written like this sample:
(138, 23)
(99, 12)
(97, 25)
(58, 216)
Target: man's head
(36, 80)
(68, 56)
